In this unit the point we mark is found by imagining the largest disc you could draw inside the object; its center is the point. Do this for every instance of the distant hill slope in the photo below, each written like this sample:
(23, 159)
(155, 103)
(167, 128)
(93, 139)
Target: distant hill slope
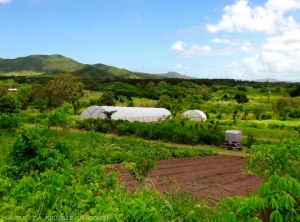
(51, 64)
(269, 80)
(104, 71)
(38, 63)
(175, 75)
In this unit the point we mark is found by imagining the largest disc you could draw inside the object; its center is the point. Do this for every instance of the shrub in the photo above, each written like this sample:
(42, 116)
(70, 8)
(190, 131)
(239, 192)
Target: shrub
(9, 104)
(251, 139)
(278, 197)
(9, 122)
(32, 151)
(87, 124)
(266, 115)
(295, 113)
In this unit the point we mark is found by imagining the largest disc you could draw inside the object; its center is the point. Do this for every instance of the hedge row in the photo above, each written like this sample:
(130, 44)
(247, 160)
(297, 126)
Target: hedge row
(167, 131)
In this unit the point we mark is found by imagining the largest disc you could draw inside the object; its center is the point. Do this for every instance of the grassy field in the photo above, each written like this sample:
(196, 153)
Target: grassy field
(288, 122)
(22, 73)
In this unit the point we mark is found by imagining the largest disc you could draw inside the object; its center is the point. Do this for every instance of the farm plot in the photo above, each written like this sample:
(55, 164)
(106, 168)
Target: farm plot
(209, 178)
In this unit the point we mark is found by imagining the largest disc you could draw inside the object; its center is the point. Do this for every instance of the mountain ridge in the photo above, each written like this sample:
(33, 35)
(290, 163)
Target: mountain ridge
(269, 80)
(53, 64)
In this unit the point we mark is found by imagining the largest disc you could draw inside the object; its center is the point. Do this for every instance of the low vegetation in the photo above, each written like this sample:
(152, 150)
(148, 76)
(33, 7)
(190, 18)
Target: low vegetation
(47, 171)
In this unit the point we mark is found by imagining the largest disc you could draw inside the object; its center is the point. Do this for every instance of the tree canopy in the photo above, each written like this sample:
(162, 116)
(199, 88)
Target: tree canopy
(64, 88)
(9, 104)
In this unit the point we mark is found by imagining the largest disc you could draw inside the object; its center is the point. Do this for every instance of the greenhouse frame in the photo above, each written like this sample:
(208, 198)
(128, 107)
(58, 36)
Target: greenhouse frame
(140, 114)
(195, 115)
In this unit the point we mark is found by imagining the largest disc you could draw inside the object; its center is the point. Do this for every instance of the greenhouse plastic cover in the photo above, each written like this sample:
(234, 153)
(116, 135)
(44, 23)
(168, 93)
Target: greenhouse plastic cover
(131, 114)
(196, 115)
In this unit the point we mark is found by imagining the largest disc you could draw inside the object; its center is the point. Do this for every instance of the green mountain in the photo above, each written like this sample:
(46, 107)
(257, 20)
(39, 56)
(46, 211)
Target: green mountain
(52, 64)
(39, 64)
(175, 75)
(269, 80)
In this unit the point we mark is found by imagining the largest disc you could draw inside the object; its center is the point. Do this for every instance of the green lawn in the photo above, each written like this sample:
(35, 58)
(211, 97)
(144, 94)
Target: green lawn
(288, 122)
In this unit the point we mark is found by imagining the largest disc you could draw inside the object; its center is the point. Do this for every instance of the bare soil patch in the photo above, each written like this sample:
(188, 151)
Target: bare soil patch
(209, 178)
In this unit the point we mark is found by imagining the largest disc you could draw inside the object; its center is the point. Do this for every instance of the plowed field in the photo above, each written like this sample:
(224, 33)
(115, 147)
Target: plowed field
(209, 178)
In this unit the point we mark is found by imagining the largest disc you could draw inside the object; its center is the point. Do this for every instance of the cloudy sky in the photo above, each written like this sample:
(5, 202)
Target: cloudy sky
(243, 39)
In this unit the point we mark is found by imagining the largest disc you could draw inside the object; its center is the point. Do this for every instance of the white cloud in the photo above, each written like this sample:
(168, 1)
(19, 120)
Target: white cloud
(282, 6)
(276, 56)
(232, 65)
(268, 19)
(178, 46)
(245, 49)
(196, 51)
(235, 43)
(178, 66)
(205, 50)
(4, 1)
(276, 62)
(271, 64)
(289, 41)
(253, 65)
(266, 64)
(217, 40)
(196, 48)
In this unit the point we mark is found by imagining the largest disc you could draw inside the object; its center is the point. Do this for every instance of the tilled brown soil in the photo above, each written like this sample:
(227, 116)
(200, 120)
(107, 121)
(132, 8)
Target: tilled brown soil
(209, 178)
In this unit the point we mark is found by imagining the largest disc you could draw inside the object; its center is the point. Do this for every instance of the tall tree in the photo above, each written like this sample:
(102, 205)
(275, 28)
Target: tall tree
(241, 97)
(3, 91)
(284, 112)
(295, 91)
(64, 88)
(107, 99)
(38, 91)
(23, 95)
(9, 104)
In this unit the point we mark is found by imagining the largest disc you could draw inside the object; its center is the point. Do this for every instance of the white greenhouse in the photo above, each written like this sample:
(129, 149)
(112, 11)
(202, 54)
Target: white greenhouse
(195, 115)
(131, 114)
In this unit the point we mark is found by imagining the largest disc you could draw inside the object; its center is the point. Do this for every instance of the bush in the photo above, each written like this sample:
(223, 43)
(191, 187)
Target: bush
(251, 139)
(170, 131)
(32, 151)
(266, 115)
(295, 113)
(9, 122)
(9, 104)
(278, 197)
(99, 125)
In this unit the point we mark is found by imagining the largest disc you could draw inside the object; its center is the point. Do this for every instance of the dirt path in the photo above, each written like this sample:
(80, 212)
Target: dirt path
(209, 178)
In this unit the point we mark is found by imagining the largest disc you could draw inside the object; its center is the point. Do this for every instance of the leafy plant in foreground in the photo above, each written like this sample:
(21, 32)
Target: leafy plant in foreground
(281, 159)
(278, 197)
(277, 200)
(33, 151)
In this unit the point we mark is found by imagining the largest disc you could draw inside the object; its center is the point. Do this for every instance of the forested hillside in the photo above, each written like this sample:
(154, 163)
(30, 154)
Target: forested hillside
(49, 65)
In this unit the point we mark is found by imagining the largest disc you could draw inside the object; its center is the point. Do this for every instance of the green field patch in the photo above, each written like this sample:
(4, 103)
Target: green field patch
(22, 73)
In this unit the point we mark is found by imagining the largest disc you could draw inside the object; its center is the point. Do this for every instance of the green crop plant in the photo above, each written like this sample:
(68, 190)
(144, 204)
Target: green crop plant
(139, 169)
(278, 197)
(280, 159)
(39, 181)
(32, 151)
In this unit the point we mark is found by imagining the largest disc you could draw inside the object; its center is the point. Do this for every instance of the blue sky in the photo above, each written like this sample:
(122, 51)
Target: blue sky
(205, 39)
